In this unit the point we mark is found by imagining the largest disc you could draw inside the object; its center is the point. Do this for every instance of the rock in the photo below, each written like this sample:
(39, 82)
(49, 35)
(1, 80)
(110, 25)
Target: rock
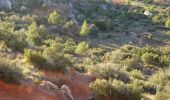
(104, 7)
(5, 4)
(47, 2)
(67, 91)
(23, 8)
(49, 86)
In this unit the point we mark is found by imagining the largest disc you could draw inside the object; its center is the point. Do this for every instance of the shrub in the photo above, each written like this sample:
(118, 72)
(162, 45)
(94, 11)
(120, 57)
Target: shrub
(70, 46)
(54, 18)
(164, 94)
(116, 89)
(35, 33)
(56, 60)
(159, 78)
(164, 60)
(167, 23)
(35, 58)
(17, 43)
(125, 92)
(84, 29)
(82, 47)
(109, 71)
(10, 72)
(150, 58)
(137, 74)
(134, 91)
(100, 87)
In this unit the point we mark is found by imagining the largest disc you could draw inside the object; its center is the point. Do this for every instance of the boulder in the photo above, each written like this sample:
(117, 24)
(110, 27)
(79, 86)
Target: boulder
(5, 4)
(49, 86)
(67, 92)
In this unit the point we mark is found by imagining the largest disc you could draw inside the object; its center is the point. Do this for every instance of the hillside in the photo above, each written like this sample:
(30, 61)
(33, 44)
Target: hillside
(84, 49)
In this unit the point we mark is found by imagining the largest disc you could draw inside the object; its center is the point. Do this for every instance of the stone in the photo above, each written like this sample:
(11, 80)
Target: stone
(67, 91)
(5, 4)
(49, 86)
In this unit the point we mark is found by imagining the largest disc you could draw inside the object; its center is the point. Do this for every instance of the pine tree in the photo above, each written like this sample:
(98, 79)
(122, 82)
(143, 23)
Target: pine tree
(54, 18)
(84, 29)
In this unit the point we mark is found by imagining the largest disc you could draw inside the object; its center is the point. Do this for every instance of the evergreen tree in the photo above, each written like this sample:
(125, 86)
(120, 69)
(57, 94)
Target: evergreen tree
(54, 18)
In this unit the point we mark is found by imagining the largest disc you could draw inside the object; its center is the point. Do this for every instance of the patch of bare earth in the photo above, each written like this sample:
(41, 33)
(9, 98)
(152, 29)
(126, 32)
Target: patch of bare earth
(78, 84)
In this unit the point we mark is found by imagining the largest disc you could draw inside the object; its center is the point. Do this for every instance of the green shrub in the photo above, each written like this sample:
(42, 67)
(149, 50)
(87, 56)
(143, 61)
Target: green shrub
(159, 78)
(17, 43)
(125, 92)
(164, 60)
(35, 58)
(116, 89)
(109, 71)
(100, 87)
(164, 94)
(35, 33)
(150, 58)
(167, 23)
(137, 74)
(82, 47)
(70, 46)
(84, 29)
(56, 59)
(54, 18)
(10, 72)
(134, 91)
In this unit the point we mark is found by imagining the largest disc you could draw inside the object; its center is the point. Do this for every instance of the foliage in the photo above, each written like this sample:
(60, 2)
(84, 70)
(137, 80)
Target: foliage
(167, 23)
(82, 47)
(10, 72)
(35, 33)
(84, 29)
(54, 18)
(70, 46)
(149, 58)
(100, 87)
(116, 89)
(35, 58)
(159, 78)
(137, 74)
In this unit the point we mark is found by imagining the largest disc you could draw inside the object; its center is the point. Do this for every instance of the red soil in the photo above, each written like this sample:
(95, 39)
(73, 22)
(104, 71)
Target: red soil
(78, 84)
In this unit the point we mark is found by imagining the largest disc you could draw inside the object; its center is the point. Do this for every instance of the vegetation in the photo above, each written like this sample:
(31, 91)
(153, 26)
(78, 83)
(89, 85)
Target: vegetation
(125, 44)
(9, 72)
(54, 18)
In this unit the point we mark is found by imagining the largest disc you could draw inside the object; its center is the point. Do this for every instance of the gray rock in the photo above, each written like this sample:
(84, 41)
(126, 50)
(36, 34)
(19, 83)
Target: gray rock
(5, 4)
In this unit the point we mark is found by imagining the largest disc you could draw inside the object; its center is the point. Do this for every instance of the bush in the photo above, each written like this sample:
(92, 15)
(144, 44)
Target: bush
(137, 74)
(108, 71)
(70, 46)
(35, 33)
(54, 18)
(167, 23)
(164, 94)
(17, 43)
(159, 78)
(150, 58)
(82, 47)
(10, 72)
(35, 58)
(116, 89)
(56, 59)
(100, 87)
(84, 29)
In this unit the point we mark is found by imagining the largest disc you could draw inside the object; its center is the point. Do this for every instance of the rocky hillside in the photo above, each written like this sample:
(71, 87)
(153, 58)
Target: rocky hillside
(84, 49)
